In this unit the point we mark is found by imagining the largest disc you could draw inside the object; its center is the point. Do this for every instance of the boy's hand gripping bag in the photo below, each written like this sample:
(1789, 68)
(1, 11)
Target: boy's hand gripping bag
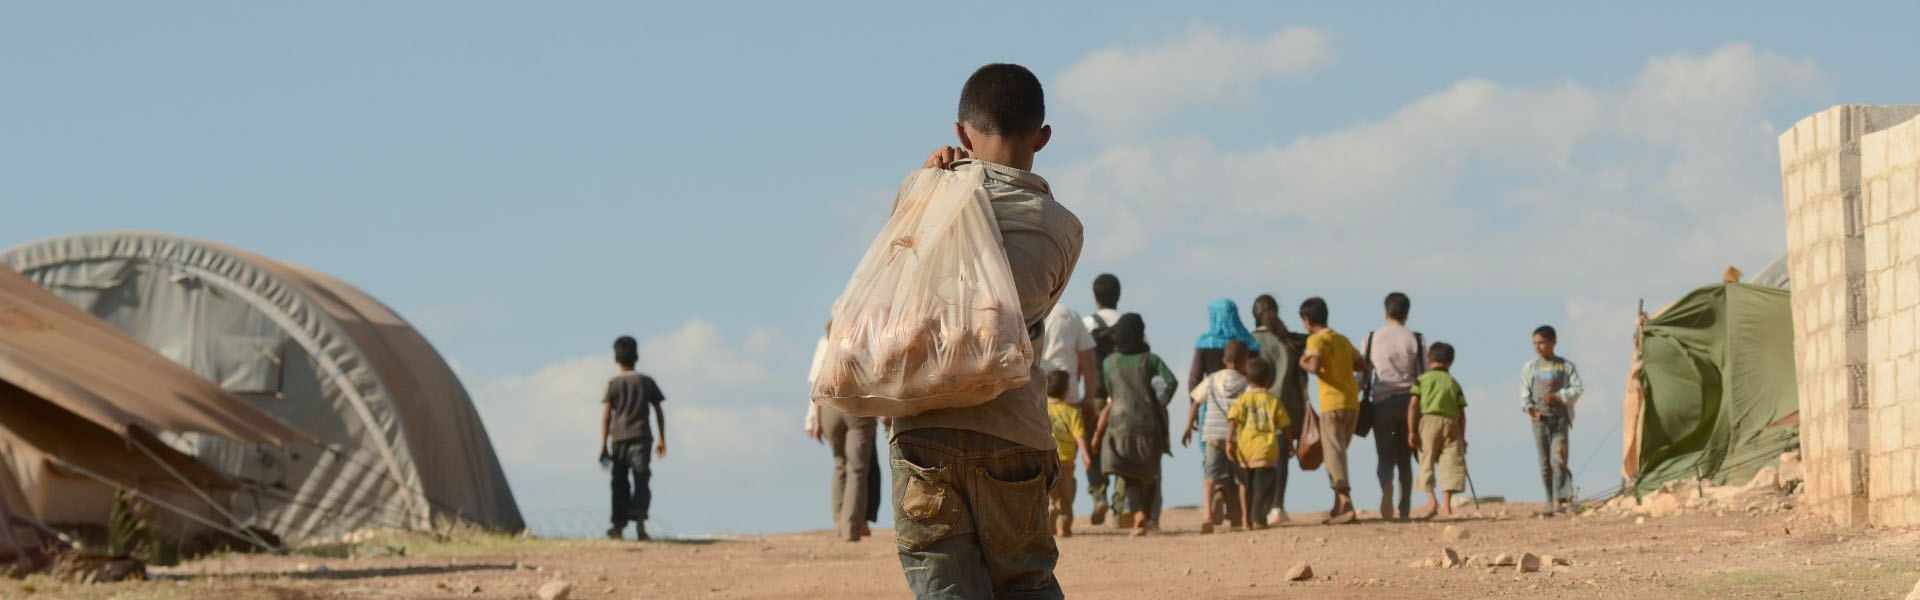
(931, 318)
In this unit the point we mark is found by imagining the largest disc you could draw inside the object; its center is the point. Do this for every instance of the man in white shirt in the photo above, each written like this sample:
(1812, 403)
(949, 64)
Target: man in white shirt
(1067, 346)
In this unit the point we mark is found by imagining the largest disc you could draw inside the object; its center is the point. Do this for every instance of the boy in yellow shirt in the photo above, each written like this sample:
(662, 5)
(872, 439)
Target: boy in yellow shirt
(1256, 429)
(1332, 359)
(1069, 435)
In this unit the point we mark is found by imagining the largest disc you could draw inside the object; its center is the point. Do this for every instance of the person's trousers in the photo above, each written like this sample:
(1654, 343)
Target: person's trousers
(631, 473)
(970, 515)
(1131, 494)
(1336, 434)
(1390, 444)
(1096, 480)
(852, 441)
(1550, 437)
(1060, 501)
(1295, 412)
(1259, 489)
(1443, 454)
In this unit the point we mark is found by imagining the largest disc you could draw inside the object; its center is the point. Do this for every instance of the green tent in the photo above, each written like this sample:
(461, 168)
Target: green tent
(1716, 386)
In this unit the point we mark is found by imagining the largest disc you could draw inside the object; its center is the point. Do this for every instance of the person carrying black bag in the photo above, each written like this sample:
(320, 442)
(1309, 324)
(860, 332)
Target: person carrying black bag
(1398, 357)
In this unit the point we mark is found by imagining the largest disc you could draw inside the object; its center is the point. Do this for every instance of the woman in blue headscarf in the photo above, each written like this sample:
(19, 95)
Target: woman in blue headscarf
(1223, 325)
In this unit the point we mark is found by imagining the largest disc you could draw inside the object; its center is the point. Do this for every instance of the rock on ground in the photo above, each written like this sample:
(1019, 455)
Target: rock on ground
(1529, 563)
(1449, 558)
(1503, 560)
(1300, 572)
(555, 590)
(1454, 533)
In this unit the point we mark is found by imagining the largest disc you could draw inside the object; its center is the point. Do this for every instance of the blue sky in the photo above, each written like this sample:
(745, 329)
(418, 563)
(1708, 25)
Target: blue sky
(526, 182)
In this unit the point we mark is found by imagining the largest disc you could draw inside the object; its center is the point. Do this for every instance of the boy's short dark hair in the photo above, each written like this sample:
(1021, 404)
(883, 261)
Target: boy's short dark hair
(1546, 331)
(1003, 99)
(1441, 352)
(626, 350)
(1259, 372)
(1235, 354)
(1398, 305)
(1106, 291)
(1314, 311)
(1057, 382)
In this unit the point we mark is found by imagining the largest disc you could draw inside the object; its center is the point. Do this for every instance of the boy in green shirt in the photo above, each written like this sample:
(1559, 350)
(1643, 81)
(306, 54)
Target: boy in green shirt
(1256, 431)
(1437, 430)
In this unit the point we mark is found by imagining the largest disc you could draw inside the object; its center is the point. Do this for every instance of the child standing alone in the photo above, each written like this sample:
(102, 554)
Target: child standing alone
(1257, 430)
(624, 423)
(1069, 435)
(1437, 430)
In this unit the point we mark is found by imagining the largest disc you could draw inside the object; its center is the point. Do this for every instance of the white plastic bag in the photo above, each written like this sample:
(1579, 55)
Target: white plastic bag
(931, 318)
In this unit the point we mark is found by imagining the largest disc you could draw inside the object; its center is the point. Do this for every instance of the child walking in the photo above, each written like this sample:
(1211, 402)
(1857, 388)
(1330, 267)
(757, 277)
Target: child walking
(1133, 427)
(1069, 435)
(1213, 397)
(624, 423)
(1332, 358)
(1257, 430)
(1437, 430)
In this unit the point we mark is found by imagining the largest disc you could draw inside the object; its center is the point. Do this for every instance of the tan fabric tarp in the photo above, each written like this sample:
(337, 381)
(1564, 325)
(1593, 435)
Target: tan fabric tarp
(60, 353)
(55, 455)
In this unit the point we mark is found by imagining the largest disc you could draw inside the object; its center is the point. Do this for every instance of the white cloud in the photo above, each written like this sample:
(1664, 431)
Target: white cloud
(1125, 87)
(1678, 161)
(733, 414)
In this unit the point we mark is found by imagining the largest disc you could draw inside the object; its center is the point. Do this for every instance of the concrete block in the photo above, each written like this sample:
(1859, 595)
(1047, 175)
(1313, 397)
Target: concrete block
(1903, 204)
(1878, 241)
(1882, 389)
(1905, 289)
(1887, 436)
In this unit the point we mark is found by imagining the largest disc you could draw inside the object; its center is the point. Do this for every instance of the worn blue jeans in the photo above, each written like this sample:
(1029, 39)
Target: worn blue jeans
(1550, 436)
(970, 515)
(631, 471)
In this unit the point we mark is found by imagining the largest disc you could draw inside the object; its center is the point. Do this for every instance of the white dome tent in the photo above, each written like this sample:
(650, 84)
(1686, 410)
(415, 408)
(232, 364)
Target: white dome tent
(404, 446)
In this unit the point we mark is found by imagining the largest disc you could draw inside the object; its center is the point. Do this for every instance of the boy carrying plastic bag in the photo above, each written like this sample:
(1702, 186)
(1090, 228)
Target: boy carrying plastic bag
(931, 318)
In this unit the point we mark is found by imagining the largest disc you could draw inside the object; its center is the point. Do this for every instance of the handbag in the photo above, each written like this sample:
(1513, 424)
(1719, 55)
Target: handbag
(1310, 452)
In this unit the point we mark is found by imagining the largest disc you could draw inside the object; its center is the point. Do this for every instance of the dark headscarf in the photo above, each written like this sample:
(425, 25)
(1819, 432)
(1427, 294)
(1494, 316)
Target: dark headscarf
(1130, 335)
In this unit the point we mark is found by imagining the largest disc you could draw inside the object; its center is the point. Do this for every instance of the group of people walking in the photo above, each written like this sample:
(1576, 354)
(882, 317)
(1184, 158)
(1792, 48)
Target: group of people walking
(1248, 402)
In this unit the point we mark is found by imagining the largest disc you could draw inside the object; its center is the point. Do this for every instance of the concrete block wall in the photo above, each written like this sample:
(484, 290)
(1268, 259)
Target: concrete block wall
(1889, 168)
(1826, 247)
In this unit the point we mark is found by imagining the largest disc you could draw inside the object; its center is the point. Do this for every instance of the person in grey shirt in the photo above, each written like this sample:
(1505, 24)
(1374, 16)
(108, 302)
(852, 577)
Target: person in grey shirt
(1399, 357)
(971, 484)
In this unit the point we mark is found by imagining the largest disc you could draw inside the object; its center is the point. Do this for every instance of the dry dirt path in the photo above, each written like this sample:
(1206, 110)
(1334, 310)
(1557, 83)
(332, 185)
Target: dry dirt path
(1687, 556)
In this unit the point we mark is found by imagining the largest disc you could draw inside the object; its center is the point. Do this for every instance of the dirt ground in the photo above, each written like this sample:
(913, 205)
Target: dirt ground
(1701, 555)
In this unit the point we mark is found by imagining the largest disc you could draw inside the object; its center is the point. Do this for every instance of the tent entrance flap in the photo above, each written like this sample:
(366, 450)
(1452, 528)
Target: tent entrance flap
(1716, 387)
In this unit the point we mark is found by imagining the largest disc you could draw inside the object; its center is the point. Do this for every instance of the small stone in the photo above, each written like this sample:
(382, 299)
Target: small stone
(1555, 561)
(1300, 572)
(475, 589)
(1454, 533)
(303, 568)
(1187, 571)
(1503, 560)
(1449, 558)
(1639, 520)
(1529, 563)
(555, 590)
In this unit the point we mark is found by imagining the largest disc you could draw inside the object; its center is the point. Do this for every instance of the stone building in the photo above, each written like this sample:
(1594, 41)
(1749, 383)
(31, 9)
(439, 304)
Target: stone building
(1853, 240)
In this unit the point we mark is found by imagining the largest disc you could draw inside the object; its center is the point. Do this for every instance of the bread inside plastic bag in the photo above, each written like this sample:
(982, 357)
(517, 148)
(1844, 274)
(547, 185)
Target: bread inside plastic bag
(931, 318)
